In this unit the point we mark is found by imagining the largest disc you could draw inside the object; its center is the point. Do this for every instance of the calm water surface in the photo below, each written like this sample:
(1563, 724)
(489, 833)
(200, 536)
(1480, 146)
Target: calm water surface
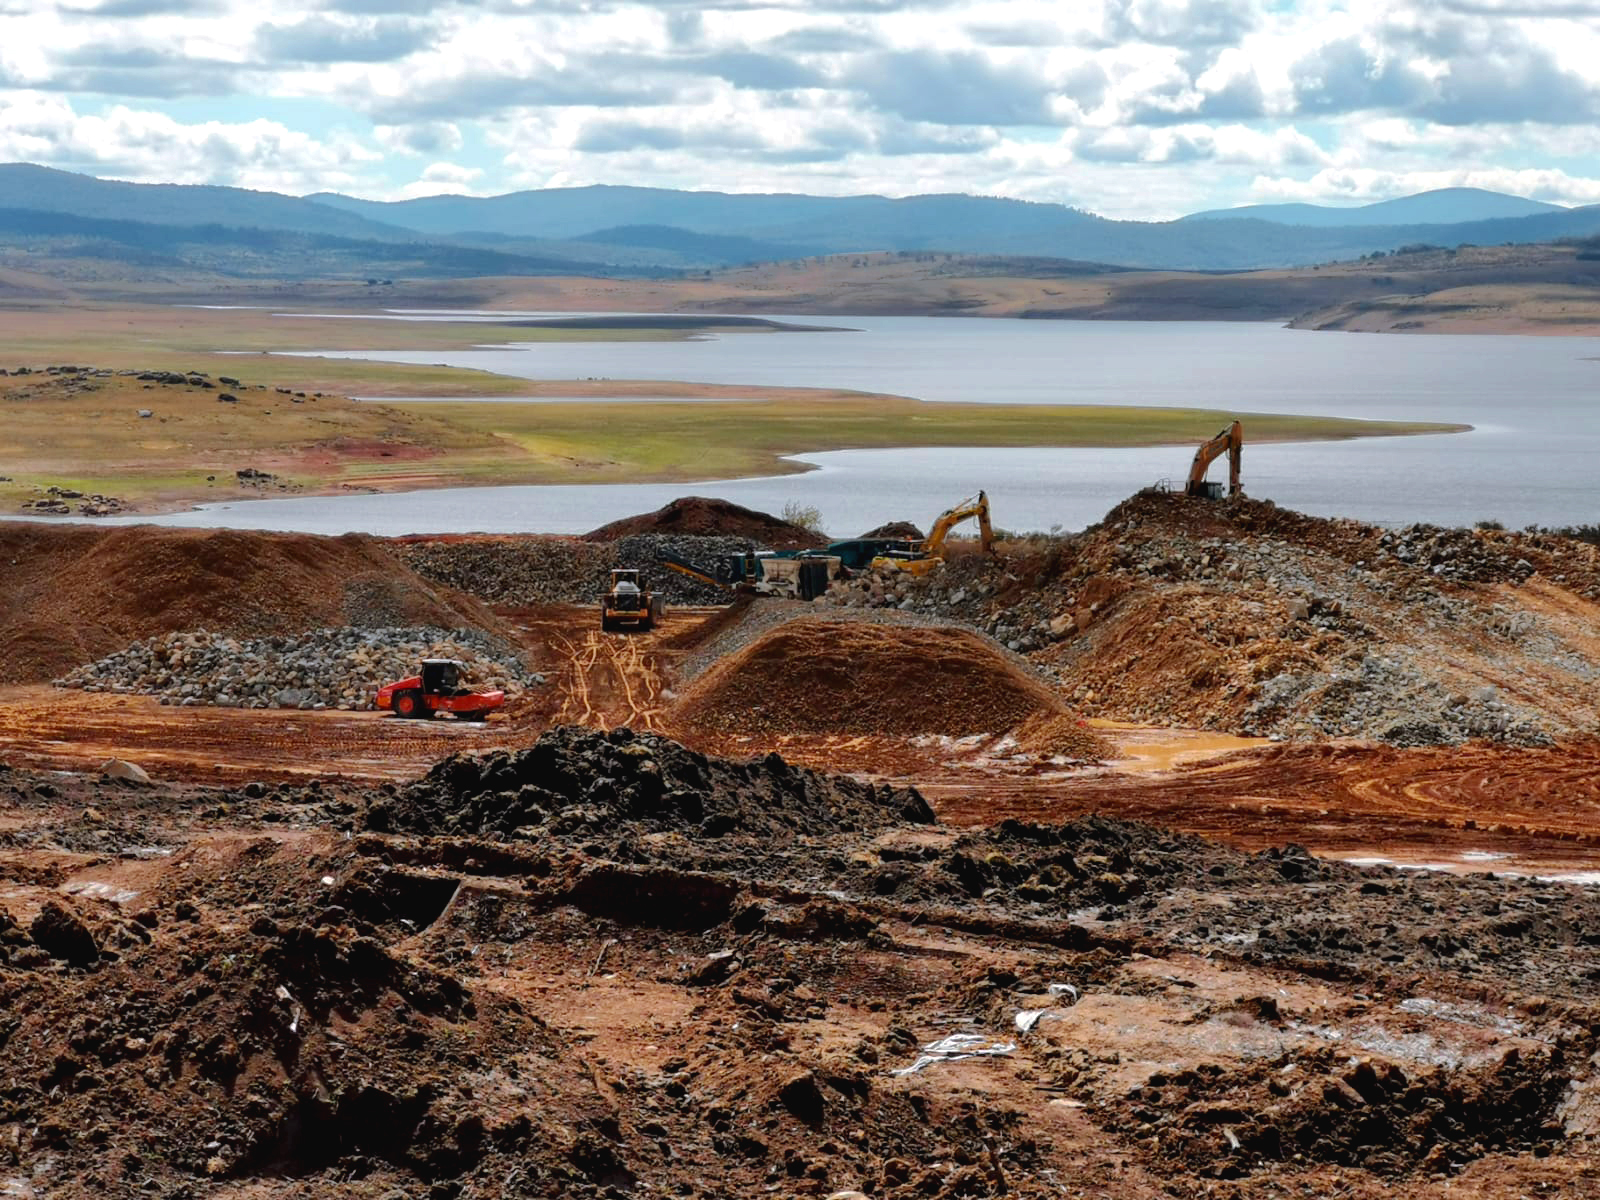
(1531, 459)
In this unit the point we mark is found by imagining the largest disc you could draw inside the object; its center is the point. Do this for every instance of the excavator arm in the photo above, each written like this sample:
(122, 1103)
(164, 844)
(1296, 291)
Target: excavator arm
(978, 507)
(1229, 441)
(684, 567)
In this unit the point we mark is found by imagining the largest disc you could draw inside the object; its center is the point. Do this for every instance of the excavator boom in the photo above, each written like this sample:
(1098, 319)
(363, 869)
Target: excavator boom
(918, 559)
(1229, 441)
(978, 507)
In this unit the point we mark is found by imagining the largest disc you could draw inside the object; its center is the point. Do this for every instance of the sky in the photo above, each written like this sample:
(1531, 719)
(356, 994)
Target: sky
(1140, 109)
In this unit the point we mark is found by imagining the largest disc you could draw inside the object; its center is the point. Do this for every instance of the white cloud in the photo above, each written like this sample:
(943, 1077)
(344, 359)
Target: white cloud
(442, 178)
(1130, 107)
(151, 147)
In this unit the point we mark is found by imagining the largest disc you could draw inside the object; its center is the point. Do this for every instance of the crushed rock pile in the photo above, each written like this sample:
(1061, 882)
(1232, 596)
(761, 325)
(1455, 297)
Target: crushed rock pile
(701, 516)
(1061, 735)
(577, 781)
(820, 676)
(72, 594)
(326, 668)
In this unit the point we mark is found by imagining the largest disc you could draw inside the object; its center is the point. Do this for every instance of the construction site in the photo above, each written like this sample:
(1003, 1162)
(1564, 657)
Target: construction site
(1215, 850)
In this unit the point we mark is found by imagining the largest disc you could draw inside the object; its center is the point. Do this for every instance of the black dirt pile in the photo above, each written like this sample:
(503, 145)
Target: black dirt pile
(576, 781)
(700, 516)
(69, 596)
(819, 676)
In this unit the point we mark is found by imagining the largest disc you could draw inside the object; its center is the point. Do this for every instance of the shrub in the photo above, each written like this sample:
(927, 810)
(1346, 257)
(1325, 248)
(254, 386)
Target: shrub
(807, 516)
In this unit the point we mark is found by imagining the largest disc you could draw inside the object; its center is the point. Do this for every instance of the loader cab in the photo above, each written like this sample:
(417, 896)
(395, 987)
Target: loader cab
(626, 593)
(441, 676)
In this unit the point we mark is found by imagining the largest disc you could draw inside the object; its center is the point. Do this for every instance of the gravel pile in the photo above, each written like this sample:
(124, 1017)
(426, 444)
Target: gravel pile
(1457, 554)
(326, 668)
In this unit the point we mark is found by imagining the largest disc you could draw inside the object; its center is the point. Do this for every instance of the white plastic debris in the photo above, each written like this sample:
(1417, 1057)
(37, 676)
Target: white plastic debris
(955, 1048)
(1063, 989)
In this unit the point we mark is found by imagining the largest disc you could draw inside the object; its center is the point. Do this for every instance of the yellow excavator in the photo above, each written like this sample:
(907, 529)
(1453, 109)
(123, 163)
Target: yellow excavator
(920, 557)
(1231, 441)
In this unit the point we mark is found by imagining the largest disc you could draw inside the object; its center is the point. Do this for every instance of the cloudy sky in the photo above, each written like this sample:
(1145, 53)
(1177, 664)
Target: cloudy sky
(1130, 108)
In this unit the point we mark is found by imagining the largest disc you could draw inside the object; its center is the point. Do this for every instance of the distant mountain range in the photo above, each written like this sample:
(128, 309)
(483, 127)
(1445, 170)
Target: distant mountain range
(606, 229)
(1445, 206)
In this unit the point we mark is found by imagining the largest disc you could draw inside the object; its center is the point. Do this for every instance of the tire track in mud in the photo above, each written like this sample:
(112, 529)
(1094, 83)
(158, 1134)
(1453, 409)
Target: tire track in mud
(609, 680)
(1540, 807)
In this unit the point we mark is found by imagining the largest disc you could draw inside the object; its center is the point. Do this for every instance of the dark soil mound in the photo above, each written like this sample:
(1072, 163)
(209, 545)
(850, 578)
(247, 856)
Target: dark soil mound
(895, 529)
(702, 516)
(69, 596)
(574, 780)
(818, 676)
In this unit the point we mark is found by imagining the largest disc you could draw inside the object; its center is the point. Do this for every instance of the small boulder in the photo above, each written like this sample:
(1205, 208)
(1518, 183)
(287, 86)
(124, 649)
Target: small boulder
(116, 768)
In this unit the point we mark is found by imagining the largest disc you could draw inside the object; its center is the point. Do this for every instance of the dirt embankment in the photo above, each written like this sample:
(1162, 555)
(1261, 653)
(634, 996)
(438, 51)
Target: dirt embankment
(1244, 617)
(71, 595)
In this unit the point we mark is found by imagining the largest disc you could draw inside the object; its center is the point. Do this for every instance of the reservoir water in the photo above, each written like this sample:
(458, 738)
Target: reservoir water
(1531, 459)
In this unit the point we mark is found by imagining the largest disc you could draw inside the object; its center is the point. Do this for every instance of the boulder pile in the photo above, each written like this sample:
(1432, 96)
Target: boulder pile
(325, 668)
(556, 570)
(523, 571)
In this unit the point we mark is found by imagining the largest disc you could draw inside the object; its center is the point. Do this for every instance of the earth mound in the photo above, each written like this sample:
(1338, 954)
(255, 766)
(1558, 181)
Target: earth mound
(702, 516)
(819, 676)
(574, 780)
(73, 595)
(1061, 735)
